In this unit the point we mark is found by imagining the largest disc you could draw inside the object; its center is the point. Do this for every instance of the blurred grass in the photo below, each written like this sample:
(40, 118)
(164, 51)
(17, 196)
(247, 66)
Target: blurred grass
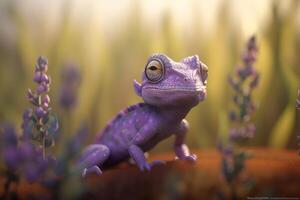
(109, 63)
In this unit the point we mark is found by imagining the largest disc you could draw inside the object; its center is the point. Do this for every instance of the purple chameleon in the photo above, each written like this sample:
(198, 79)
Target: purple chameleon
(169, 90)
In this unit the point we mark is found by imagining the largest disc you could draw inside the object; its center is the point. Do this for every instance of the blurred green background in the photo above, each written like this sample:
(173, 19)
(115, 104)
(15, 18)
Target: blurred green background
(110, 41)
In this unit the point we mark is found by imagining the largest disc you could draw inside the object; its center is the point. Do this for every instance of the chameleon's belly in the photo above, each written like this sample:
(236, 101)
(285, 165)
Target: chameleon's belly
(158, 137)
(119, 150)
(119, 153)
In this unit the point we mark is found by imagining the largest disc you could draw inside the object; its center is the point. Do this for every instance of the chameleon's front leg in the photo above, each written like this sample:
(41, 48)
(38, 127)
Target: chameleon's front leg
(137, 154)
(181, 149)
(143, 136)
(139, 158)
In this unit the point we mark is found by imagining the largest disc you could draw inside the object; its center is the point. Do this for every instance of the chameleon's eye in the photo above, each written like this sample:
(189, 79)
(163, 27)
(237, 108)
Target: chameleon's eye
(204, 73)
(154, 71)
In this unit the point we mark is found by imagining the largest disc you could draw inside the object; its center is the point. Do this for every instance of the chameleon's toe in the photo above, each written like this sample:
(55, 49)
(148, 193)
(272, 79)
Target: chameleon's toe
(191, 157)
(157, 162)
(145, 166)
(91, 170)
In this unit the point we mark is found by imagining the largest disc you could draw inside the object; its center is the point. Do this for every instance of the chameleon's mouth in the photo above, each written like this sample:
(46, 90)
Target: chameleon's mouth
(177, 89)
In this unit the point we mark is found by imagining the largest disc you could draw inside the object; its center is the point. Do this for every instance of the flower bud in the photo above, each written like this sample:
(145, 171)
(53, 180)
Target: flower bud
(30, 95)
(47, 99)
(37, 76)
(46, 105)
(41, 89)
(39, 112)
(44, 78)
(42, 63)
(27, 114)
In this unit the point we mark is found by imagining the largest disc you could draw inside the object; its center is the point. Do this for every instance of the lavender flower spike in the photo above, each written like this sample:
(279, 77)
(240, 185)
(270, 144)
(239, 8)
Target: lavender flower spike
(70, 84)
(40, 123)
(243, 83)
(9, 142)
(243, 93)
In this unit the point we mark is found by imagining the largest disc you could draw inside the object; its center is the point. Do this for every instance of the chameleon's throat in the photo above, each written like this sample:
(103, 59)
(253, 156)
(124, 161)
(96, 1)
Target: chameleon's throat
(173, 114)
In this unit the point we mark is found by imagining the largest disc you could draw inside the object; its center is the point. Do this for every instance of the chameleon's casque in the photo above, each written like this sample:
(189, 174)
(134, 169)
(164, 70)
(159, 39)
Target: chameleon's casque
(169, 90)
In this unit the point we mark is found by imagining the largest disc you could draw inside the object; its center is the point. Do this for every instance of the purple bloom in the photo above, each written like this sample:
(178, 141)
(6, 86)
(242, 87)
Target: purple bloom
(46, 99)
(37, 77)
(9, 135)
(44, 78)
(242, 133)
(226, 151)
(243, 88)
(243, 94)
(40, 112)
(69, 88)
(40, 125)
(11, 157)
(32, 163)
(243, 83)
(9, 142)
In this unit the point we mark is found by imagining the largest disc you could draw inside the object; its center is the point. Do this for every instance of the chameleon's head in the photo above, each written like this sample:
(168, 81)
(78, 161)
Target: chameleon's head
(169, 83)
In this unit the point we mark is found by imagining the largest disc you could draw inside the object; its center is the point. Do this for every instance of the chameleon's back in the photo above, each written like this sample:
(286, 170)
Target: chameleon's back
(124, 126)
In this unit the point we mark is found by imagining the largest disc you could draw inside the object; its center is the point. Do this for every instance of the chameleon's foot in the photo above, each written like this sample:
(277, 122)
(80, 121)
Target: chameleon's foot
(183, 153)
(157, 162)
(145, 166)
(148, 166)
(191, 157)
(132, 162)
(94, 169)
(92, 156)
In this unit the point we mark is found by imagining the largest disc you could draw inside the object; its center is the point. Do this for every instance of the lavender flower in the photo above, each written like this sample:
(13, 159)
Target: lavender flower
(243, 83)
(40, 123)
(22, 157)
(243, 93)
(33, 164)
(10, 157)
(9, 145)
(70, 84)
